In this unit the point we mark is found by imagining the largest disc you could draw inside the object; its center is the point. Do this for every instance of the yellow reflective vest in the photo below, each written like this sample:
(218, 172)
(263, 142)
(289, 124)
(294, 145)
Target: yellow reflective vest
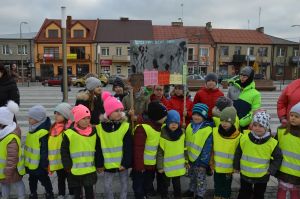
(151, 145)
(112, 145)
(290, 147)
(256, 157)
(32, 149)
(195, 141)
(54, 156)
(82, 151)
(224, 150)
(3, 155)
(174, 162)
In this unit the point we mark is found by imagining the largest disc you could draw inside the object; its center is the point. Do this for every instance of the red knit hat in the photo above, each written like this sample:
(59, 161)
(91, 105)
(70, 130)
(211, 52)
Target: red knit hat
(110, 103)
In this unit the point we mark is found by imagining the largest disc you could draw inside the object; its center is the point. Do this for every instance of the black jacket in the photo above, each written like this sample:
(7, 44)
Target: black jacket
(8, 91)
(274, 163)
(44, 162)
(127, 146)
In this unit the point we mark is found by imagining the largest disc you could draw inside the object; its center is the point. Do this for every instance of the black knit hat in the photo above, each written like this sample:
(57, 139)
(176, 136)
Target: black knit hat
(118, 82)
(156, 111)
(211, 76)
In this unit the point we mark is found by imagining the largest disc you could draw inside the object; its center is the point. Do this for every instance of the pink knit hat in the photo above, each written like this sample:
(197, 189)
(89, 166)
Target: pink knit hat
(80, 112)
(110, 103)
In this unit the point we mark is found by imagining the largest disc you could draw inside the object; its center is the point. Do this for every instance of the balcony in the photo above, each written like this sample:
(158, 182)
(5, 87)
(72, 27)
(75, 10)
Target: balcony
(239, 58)
(47, 57)
(120, 58)
(295, 59)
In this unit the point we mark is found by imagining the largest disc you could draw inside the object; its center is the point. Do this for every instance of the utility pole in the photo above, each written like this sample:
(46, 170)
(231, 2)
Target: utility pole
(298, 57)
(21, 40)
(64, 50)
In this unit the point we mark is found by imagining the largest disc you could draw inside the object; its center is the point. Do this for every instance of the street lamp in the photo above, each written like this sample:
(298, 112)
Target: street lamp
(297, 72)
(64, 50)
(23, 22)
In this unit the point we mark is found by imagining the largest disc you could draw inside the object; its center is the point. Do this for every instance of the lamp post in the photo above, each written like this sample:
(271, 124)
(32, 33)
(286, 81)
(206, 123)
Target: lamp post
(64, 50)
(297, 72)
(23, 22)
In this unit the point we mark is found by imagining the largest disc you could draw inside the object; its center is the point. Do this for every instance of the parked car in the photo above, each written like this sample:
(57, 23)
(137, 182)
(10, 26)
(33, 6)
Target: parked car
(81, 81)
(52, 81)
(259, 76)
(112, 78)
(195, 76)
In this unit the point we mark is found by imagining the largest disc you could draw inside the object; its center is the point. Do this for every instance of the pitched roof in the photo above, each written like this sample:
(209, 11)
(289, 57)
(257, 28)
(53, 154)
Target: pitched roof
(29, 35)
(239, 36)
(280, 41)
(90, 25)
(194, 34)
(122, 31)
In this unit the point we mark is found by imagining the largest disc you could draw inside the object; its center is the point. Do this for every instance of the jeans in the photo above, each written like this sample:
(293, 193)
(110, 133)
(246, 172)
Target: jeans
(61, 185)
(20, 188)
(249, 190)
(45, 181)
(108, 179)
(166, 183)
(142, 183)
(88, 190)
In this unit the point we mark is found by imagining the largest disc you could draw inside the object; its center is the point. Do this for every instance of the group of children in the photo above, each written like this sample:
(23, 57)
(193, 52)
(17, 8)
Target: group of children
(77, 150)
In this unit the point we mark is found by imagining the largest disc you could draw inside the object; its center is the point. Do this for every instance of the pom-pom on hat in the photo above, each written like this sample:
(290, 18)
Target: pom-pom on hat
(8, 112)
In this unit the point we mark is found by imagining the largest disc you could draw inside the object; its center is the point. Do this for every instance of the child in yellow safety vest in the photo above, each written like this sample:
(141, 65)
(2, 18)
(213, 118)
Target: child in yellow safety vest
(11, 162)
(115, 145)
(226, 138)
(36, 151)
(198, 140)
(170, 155)
(289, 142)
(78, 153)
(62, 114)
(256, 158)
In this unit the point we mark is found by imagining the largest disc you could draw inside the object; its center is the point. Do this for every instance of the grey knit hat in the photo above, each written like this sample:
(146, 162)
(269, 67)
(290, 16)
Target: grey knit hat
(91, 83)
(296, 108)
(228, 114)
(65, 110)
(262, 118)
(37, 112)
(211, 77)
(223, 102)
(247, 71)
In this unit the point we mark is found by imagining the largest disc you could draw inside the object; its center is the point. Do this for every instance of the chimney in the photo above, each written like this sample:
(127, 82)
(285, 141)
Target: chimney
(260, 29)
(69, 21)
(177, 23)
(208, 26)
(124, 19)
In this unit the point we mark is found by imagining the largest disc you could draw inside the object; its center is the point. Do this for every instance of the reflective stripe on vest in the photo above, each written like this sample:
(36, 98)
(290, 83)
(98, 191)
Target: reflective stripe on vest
(256, 157)
(83, 154)
(224, 150)
(3, 154)
(54, 156)
(174, 162)
(32, 149)
(112, 145)
(195, 141)
(289, 145)
(151, 145)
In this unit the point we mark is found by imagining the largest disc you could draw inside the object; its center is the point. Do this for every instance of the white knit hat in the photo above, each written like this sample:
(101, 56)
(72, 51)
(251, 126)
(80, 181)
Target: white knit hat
(296, 108)
(262, 118)
(8, 112)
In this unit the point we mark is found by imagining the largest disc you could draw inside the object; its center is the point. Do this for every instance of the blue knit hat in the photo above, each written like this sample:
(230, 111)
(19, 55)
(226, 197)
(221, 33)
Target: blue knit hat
(201, 109)
(173, 116)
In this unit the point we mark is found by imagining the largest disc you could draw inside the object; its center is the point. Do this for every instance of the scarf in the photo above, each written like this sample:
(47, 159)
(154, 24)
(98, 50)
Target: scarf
(197, 126)
(267, 134)
(7, 130)
(85, 132)
(57, 129)
(174, 135)
(227, 133)
(33, 127)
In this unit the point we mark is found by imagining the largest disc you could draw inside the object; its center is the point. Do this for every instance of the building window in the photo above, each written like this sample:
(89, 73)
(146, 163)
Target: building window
(78, 34)
(119, 70)
(22, 49)
(263, 51)
(52, 33)
(280, 52)
(279, 70)
(237, 50)
(119, 51)
(224, 50)
(52, 52)
(204, 52)
(79, 50)
(191, 54)
(251, 50)
(129, 70)
(105, 51)
(128, 50)
(295, 52)
(6, 50)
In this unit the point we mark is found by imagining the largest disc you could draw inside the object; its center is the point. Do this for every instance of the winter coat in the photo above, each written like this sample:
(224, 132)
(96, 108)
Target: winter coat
(288, 98)
(176, 103)
(245, 101)
(96, 110)
(8, 91)
(274, 164)
(162, 100)
(160, 152)
(79, 180)
(110, 127)
(11, 172)
(44, 162)
(139, 141)
(208, 97)
(120, 96)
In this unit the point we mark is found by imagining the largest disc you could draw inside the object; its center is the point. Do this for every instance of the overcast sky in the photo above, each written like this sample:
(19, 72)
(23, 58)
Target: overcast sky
(277, 16)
